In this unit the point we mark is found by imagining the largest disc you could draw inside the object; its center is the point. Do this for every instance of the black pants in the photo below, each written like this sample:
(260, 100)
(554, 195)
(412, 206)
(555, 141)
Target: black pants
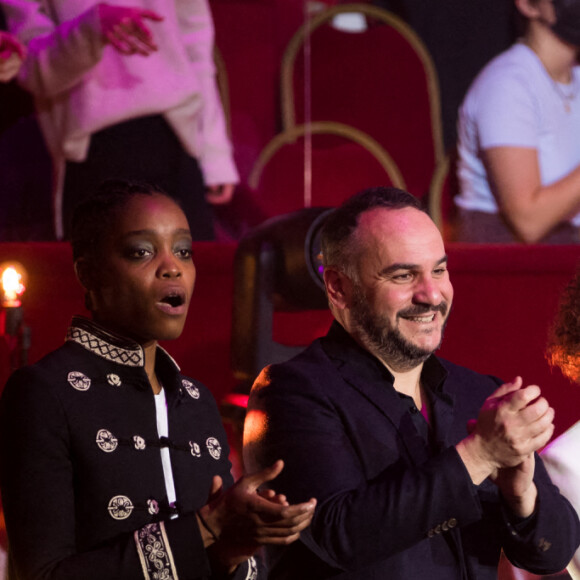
(144, 149)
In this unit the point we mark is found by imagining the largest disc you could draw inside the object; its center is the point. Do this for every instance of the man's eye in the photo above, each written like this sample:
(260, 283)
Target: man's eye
(403, 277)
(439, 271)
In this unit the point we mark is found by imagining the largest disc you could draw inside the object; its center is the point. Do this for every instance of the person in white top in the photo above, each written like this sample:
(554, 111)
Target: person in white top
(519, 135)
(127, 92)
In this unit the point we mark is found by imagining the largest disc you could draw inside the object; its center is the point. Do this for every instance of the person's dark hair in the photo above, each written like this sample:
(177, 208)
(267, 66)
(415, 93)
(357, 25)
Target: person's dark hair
(564, 341)
(338, 247)
(94, 218)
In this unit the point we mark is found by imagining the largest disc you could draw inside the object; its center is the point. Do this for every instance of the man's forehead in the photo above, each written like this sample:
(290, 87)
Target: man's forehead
(396, 227)
(387, 237)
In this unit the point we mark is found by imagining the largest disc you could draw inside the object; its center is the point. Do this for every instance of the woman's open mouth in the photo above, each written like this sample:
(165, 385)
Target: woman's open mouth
(173, 303)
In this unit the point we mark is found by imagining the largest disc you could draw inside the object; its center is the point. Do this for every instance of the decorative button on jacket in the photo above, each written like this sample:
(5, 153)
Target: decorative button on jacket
(81, 473)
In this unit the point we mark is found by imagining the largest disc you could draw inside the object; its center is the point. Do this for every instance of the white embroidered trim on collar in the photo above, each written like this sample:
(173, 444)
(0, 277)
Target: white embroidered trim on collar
(125, 356)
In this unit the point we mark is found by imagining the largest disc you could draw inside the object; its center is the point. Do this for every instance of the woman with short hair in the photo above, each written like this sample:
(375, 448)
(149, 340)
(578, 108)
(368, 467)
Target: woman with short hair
(113, 464)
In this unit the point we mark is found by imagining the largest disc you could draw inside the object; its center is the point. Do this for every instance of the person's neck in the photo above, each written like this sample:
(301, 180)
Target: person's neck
(409, 383)
(149, 352)
(557, 56)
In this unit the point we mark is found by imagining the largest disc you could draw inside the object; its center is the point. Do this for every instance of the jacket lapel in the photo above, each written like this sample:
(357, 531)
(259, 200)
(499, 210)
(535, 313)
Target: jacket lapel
(373, 381)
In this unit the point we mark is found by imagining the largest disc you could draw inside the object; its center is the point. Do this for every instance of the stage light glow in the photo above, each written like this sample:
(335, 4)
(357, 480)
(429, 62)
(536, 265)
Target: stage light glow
(13, 284)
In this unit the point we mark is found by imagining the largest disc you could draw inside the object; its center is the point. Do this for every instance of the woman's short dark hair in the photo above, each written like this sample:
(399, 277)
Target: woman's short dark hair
(564, 341)
(338, 247)
(94, 218)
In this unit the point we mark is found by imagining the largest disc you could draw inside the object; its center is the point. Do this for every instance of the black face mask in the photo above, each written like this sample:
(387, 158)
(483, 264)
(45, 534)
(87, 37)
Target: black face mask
(567, 26)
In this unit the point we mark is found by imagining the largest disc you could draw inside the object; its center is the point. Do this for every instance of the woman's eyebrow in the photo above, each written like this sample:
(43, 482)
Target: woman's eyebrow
(150, 232)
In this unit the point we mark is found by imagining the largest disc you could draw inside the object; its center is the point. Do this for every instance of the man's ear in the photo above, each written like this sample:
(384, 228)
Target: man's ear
(338, 288)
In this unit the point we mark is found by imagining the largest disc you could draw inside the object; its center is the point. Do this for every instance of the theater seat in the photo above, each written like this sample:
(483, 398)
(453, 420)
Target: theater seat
(317, 165)
(380, 80)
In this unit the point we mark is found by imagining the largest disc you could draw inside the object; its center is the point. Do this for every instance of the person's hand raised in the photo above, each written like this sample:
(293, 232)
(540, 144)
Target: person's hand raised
(220, 194)
(12, 53)
(513, 422)
(242, 518)
(125, 28)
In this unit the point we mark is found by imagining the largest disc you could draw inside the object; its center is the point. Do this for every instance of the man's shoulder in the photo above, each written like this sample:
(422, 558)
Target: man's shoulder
(312, 361)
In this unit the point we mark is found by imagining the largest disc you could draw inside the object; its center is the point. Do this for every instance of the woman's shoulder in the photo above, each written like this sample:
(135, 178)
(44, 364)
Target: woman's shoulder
(508, 81)
(515, 64)
(36, 390)
(54, 360)
(43, 373)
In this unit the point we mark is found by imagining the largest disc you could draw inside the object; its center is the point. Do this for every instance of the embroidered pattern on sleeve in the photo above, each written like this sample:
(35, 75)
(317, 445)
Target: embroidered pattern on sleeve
(252, 569)
(154, 553)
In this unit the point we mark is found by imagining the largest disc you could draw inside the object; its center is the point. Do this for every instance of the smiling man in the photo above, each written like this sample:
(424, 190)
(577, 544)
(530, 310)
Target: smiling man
(422, 469)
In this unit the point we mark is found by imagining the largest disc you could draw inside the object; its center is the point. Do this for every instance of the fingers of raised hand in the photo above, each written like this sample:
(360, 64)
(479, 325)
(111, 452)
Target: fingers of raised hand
(278, 536)
(131, 36)
(537, 412)
(530, 419)
(508, 387)
(220, 194)
(521, 398)
(269, 511)
(542, 435)
(10, 47)
(528, 429)
(514, 425)
(9, 67)
(286, 528)
(151, 15)
(272, 496)
(125, 30)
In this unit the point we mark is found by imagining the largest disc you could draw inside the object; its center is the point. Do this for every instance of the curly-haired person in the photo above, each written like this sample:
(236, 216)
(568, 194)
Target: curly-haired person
(561, 457)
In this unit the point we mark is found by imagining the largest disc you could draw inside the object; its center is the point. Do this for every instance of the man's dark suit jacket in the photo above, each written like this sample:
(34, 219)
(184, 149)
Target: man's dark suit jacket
(390, 504)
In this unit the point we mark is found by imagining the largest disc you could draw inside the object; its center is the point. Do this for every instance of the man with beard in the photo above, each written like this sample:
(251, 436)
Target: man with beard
(422, 469)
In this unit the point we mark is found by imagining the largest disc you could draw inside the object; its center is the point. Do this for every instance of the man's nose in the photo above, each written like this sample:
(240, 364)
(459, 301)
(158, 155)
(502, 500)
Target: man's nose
(428, 291)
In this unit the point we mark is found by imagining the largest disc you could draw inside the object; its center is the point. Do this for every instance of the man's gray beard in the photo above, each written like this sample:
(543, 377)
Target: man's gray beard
(387, 343)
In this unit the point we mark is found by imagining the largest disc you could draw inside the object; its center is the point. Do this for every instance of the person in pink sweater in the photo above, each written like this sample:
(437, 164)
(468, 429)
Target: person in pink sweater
(127, 92)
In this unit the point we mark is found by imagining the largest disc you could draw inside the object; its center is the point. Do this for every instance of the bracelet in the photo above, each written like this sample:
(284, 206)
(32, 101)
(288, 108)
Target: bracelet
(207, 527)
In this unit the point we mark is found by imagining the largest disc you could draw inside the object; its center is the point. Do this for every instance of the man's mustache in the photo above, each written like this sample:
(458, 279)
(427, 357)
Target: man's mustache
(422, 309)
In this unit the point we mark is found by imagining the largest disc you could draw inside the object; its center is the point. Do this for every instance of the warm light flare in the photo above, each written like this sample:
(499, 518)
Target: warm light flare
(255, 426)
(12, 282)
